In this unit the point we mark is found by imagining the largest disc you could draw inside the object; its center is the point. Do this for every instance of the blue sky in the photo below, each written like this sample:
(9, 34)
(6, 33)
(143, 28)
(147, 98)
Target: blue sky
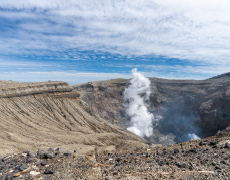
(81, 41)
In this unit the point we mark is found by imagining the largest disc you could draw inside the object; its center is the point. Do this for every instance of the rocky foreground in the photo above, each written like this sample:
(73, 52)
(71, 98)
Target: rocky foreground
(197, 159)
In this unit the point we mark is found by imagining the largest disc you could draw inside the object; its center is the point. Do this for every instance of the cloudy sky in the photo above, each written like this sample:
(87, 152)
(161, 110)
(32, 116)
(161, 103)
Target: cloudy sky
(86, 40)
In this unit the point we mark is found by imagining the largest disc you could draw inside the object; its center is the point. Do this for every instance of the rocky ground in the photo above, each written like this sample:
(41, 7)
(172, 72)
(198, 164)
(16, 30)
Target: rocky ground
(197, 159)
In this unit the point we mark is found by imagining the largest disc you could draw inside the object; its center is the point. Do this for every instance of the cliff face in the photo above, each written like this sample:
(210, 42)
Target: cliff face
(186, 106)
(105, 98)
(16, 89)
(51, 114)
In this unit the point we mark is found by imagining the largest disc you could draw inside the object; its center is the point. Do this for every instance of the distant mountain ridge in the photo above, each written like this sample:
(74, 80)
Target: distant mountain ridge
(221, 76)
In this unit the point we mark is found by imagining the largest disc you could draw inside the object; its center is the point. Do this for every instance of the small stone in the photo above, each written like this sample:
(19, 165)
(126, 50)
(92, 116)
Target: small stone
(181, 165)
(227, 145)
(48, 156)
(22, 167)
(9, 177)
(213, 163)
(29, 154)
(191, 167)
(176, 150)
(13, 164)
(67, 154)
(149, 161)
(34, 173)
(48, 171)
(217, 167)
(24, 154)
(118, 159)
(57, 153)
(26, 151)
(40, 155)
(5, 159)
(51, 150)
(223, 162)
(202, 143)
(30, 160)
(43, 163)
(193, 150)
(1, 177)
(161, 163)
(213, 142)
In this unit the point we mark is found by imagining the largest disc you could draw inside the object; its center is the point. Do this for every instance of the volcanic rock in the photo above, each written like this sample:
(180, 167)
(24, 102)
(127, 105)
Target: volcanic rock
(48, 171)
(227, 145)
(22, 167)
(9, 177)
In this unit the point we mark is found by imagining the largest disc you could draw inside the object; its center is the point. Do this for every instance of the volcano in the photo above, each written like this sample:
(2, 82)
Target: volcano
(199, 107)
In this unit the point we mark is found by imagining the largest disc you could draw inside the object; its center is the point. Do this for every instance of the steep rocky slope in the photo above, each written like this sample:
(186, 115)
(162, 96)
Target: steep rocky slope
(51, 114)
(200, 107)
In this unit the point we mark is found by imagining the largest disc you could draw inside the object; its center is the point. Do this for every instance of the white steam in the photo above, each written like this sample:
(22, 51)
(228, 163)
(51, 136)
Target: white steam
(193, 136)
(135, 96)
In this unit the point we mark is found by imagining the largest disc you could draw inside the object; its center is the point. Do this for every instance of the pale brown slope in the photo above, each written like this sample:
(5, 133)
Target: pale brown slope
(42, 115)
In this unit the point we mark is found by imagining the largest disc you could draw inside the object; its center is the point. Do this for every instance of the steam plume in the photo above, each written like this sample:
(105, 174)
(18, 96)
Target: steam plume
(193, 136)
(135, 96)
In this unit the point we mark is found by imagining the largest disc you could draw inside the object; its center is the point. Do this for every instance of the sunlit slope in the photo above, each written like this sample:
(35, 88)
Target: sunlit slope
(40, 115)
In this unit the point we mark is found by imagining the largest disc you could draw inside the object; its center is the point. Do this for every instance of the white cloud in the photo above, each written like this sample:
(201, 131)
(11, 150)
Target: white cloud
(180, 71)
(22, 64)
(72, 77)
(192, 30)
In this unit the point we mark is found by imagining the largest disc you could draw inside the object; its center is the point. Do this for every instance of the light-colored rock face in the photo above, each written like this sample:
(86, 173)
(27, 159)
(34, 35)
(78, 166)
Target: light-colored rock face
(15, 89)
(185, 105)
(43, 115)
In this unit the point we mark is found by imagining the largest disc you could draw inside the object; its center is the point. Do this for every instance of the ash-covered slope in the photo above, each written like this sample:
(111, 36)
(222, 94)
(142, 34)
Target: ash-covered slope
(51, 114)
(200, 107)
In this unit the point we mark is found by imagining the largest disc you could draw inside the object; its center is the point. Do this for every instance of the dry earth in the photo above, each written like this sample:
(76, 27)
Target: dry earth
(51, 114)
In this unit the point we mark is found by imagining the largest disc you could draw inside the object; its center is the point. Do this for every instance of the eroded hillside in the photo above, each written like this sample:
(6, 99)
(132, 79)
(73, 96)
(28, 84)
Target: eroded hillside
(51, 114)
